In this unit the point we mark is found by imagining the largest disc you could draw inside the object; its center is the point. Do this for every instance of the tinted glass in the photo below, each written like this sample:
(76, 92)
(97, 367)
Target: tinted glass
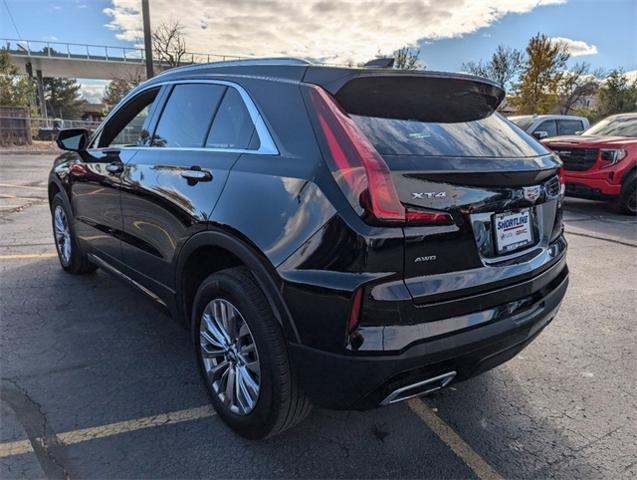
(569, 127)
(492, 136)
(523, 122)
(126, 128)
(548, 126)
(620, 125)
(232, 126)
(187, 115)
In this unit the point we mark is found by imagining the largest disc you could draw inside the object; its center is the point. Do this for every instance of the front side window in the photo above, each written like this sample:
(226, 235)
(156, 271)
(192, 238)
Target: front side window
(186, 118)
(524, 122)
(232, 127)
(126, 128)
(549, 127)
(569, 127)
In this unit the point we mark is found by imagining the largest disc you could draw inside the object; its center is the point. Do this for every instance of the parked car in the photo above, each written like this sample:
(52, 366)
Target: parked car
(546, 126)
(342, 237)
(601, 163)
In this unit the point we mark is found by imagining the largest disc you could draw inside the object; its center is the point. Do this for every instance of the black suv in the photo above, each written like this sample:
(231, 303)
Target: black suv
(333, 236)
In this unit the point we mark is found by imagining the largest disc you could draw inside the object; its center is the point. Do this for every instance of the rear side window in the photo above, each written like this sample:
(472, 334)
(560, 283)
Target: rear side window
(232, 127)
(569, 127)
(187, 115)
(492, 136)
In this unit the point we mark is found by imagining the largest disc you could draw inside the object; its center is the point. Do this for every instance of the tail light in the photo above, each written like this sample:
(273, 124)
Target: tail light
(360, 171)
(562, 182)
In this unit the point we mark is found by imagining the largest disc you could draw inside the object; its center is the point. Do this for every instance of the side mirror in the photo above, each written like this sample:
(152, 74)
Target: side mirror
(579, 132)
(72, 139)
(540, 134)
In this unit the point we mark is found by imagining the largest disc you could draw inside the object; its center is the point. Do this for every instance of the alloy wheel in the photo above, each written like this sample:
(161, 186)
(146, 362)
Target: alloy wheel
(62, 234)
(230, 356)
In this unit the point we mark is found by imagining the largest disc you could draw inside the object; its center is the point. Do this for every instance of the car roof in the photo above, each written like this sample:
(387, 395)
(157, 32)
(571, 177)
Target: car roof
(294, 69)
(550, 117)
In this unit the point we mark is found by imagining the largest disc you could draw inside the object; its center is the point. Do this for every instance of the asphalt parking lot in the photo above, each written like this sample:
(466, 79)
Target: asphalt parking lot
(96, 382)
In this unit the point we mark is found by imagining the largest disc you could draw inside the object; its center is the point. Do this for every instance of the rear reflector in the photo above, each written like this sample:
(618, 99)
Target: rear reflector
(354, 317)
(422, 217)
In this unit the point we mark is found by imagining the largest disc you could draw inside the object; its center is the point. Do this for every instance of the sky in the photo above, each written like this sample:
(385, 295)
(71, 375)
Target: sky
(602, 33)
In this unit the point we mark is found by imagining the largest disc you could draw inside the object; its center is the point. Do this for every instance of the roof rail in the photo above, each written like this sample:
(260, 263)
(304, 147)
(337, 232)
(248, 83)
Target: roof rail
(238, 63)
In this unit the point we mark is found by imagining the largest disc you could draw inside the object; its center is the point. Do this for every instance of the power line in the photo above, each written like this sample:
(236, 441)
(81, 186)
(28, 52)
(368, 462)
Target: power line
(12, 20)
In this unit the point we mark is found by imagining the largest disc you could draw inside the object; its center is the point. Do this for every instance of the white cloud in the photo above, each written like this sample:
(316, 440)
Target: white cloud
(330, 30)
(92, 92)
(576, 48)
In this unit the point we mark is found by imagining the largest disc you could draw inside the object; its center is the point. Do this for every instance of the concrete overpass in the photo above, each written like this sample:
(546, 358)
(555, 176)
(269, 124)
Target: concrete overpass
(40, 59)
(73, 60)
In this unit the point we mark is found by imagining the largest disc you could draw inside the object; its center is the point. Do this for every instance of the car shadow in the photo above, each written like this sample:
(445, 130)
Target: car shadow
(90, 351)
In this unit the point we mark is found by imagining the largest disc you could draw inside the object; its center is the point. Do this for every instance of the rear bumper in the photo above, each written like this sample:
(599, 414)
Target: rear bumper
(362, 381)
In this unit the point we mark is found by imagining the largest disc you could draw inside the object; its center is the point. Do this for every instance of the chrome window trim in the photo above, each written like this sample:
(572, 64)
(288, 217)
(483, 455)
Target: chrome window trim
(266, 143)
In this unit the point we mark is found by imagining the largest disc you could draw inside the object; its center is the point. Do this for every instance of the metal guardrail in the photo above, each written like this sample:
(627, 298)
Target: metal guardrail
(83, 51)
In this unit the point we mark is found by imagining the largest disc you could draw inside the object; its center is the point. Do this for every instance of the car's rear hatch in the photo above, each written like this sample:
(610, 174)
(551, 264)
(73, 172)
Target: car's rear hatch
(449, 153)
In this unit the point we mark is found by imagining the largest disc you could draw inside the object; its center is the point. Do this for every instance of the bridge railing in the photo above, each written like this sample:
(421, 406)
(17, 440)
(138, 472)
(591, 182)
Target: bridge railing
(83, 51)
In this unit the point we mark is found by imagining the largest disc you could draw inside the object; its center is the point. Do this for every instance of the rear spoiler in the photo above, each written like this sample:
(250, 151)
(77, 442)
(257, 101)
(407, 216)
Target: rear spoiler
(407, 95)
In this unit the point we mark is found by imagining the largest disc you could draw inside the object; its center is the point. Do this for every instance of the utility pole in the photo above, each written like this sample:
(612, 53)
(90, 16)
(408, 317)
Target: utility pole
(148, 41)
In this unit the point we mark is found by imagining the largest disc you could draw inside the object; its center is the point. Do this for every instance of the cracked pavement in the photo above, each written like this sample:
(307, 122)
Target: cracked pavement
(81, 352)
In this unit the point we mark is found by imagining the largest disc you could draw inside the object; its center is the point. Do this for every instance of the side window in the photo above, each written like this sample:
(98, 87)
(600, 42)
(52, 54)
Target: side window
(569, 127)
(232, 126)
(187, 115)
(126, 128)
(549, 127)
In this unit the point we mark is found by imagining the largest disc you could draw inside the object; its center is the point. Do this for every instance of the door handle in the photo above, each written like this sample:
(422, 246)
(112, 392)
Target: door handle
(196, 174)
(115, 167)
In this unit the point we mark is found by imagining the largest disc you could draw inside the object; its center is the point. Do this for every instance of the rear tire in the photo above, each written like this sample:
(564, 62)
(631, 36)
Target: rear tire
(627, 201)
(72, 258)
(248, 325)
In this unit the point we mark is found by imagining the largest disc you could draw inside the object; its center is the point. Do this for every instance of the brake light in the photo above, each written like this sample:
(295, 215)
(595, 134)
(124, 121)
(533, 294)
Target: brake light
(354, 316)
(357, 167)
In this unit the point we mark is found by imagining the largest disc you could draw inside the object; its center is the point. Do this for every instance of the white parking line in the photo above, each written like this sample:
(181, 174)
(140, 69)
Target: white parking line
(468, 455)
(26, 256)
(85, 434)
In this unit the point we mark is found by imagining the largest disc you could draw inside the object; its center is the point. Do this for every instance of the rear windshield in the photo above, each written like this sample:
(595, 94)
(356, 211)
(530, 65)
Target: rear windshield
(493, 136)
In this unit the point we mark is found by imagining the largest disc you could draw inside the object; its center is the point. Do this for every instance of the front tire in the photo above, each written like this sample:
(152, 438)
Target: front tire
(242, 357)
(71, 257)
(627, 202)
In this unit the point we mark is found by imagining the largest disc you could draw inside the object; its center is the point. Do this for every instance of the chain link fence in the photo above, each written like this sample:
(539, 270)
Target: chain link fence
(17, 128)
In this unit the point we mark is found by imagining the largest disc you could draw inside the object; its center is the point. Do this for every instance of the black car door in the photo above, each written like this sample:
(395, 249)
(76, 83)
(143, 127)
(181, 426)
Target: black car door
(170, 188)
(95, 179)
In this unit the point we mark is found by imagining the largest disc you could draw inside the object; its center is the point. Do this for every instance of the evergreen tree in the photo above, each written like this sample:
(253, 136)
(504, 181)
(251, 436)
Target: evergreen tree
(63, 97)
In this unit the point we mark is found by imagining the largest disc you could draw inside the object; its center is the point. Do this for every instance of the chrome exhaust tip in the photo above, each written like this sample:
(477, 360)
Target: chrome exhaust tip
(420, 388)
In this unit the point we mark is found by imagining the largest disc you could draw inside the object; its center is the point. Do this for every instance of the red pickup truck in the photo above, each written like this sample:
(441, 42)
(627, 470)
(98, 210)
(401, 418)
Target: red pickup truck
(601, 163)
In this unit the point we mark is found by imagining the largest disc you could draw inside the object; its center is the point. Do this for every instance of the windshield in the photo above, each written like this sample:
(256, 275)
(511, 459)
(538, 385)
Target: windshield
(617, 125)
(523, 122)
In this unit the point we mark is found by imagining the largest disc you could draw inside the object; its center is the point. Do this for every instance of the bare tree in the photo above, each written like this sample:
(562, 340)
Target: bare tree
(503, 67)
(118, 88)
(169, 44)
(577, 84)
(406, 58)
